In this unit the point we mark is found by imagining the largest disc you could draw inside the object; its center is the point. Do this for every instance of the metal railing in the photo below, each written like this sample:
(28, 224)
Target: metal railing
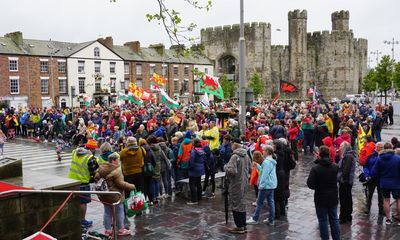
(74, 193)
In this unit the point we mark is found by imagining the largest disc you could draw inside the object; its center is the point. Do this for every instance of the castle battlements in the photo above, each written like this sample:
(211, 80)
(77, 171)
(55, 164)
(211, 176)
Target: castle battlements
(340, 15)
(234, 27)
(297, 14)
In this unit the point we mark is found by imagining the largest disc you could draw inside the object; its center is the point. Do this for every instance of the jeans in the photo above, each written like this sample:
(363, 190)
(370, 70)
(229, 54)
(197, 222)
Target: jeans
(239, 218)
(119, 216)
(195, 188)
(154, 189)
(262, 195)
(209, 175)
(323, 214)
(377, 135)
(308, 141)
(166, 179)
(346, 201)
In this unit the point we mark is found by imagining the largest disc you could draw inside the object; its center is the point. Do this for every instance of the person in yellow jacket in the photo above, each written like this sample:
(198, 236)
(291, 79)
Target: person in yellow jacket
(329, 124)
(83, 169)
(213, 136)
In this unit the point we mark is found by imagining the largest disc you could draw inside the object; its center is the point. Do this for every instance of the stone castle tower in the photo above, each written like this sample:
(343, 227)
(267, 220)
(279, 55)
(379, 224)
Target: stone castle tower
(335, 61)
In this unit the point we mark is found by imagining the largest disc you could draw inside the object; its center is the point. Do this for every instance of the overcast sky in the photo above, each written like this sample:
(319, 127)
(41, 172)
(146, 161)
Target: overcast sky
(84, 20)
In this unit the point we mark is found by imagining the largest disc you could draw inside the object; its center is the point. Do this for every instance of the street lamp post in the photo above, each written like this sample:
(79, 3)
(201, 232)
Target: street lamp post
(393, 42)
(51, 75)
(242, 73)
(377, 53)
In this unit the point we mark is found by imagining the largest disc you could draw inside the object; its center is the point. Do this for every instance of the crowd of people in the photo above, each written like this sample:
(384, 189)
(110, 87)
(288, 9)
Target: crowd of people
(151, 148)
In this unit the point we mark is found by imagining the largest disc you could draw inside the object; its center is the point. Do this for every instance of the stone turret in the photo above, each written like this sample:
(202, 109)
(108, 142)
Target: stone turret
(340, 20)
(298, 49)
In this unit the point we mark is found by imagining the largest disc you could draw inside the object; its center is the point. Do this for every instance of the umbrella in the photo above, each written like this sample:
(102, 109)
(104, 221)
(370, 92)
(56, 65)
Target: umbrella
(226, 195)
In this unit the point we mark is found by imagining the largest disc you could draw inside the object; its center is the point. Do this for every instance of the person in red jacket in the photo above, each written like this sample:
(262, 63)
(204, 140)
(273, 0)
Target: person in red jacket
(293, 132)
(345, 136)
(328, 141)
(366, 150)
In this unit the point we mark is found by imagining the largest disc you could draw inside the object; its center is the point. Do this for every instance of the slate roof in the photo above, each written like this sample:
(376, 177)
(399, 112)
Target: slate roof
(65, 49)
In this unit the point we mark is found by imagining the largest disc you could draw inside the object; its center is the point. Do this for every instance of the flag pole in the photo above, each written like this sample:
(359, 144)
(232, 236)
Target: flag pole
(315, 89)
(242, 73)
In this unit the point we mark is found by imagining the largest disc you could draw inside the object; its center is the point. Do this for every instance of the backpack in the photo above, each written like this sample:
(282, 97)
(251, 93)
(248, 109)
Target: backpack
(300, 135)
(148, 168)
(101, 185)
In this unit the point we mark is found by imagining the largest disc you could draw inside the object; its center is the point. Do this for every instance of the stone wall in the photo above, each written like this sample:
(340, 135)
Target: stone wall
(22, 216)
(334, 60)
(224, 41)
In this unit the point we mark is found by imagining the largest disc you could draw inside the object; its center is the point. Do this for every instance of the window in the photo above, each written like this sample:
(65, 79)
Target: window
(112, 67)
(13, 64)
(139, 83)
(97, 85)
(186, 71)
(164, 70)
(81, 66)
(44, 85)
(61, 66)
(126, 84)
(44, 66)
(14, 85)
(176, 86)
(81, 85)
(112, 84)
(62, 85)
(196, 84)
(97, 67)
(152, 69)
(206, 70)
(175, 71)
(184, 87)
(96, 52)
(126, 68)
(122, 86)
(138, 69)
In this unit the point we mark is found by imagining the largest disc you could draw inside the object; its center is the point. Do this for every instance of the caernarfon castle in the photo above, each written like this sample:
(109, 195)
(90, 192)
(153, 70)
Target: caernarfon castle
(334, 60)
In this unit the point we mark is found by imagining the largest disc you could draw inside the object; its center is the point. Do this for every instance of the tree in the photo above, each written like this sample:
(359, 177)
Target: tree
(369, 83)
(172, 22)
(228, 86)
(256, 84)
(384, 74)
(396, 76)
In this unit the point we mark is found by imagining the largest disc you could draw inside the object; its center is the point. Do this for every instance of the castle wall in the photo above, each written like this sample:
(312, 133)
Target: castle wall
(334, 60)
(224, 41)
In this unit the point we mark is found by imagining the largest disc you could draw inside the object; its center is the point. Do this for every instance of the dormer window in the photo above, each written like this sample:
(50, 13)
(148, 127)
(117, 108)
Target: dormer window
(96, 52)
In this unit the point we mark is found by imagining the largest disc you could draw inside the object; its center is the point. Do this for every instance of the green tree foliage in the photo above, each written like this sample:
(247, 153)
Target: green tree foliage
(228, 86)
(396, 76)
(384, 73)
(256, 84)
(369, 83)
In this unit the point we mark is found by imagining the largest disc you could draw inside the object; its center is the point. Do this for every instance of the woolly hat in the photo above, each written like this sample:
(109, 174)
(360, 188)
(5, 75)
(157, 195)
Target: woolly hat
(91, 144)
(131, 141)
(188, 134)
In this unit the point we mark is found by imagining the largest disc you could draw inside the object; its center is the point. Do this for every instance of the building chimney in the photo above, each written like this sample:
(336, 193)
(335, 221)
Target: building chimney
(16, 37)
(160, 48)
(134, 46)
(108, 42)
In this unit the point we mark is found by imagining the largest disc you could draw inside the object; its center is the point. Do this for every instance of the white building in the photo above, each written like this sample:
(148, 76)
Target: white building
(95, 72)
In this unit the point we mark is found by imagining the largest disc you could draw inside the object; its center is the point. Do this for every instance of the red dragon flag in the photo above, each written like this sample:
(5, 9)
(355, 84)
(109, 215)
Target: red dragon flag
(287, 87)
(210, 84)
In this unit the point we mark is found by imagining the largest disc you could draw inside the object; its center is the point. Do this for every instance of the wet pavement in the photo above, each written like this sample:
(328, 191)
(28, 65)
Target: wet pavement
(173, 219)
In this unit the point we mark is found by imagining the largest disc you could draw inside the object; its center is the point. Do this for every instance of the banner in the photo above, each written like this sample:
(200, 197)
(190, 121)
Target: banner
(360, 138)
(159, 80)
(168, 101)
(205, 102)
(134, 100)
(138, 92)
(88, 101)
(287, 87)
(210, 84)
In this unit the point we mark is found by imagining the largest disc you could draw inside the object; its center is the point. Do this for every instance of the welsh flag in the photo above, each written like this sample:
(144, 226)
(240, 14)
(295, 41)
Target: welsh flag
(88, 101)
(168, 101)
(134, 100)
(210, 84)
